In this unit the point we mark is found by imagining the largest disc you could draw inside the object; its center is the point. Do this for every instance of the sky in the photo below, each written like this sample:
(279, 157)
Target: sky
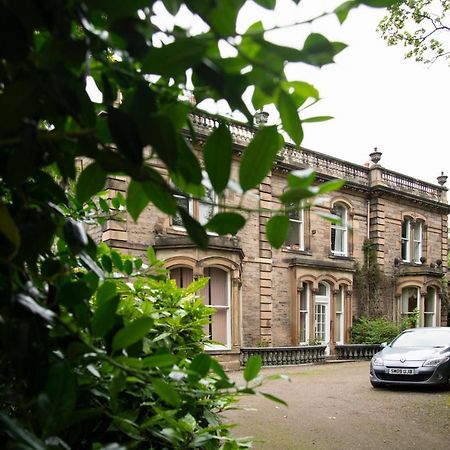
(376, 96)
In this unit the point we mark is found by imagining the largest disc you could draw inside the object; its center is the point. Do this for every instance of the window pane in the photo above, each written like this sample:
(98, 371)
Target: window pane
(303, 326)
(320, 322)
(322, 289)
(430, 303)
(182, 202)
(208, 209)
(304, 299)
(216, 294)
(428, 320)
(293, 237)
(409, 300)
(183, 276)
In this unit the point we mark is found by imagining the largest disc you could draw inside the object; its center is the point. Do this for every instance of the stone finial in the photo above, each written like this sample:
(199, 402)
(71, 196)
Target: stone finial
(375, 156)
(442, 179)
(261, 118)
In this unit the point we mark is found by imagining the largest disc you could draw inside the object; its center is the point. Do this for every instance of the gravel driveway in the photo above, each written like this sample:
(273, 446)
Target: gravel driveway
(333, 406)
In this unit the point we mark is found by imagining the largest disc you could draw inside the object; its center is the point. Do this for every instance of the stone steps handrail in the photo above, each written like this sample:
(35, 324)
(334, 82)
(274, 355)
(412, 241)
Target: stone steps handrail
(356, 351)
(285, 356)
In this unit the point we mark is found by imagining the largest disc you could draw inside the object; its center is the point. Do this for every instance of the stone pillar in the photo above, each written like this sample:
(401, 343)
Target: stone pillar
(265, 259)
(377, 226)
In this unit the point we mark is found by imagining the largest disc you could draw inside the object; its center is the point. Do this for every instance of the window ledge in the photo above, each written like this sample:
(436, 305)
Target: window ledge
(296, 251)
(339, 257)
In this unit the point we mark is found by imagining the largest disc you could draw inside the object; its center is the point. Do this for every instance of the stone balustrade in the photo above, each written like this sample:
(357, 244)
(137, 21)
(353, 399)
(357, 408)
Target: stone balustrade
(285, 356)
(356, 351)
(412, 185)
(323, 164)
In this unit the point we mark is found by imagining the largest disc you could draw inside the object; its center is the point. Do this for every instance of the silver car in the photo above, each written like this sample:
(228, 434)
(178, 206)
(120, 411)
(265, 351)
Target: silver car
(419, 356)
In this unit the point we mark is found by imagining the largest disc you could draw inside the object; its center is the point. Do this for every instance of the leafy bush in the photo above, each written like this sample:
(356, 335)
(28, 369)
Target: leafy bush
(373, 331)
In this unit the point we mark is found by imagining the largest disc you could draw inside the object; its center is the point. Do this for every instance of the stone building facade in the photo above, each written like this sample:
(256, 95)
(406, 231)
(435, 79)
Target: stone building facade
(304, 292)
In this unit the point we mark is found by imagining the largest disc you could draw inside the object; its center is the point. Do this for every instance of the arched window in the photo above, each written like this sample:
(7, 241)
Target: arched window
(339, 231)
(183, 276)
(339, 326)
(217, 295)
(305, 295)
(409, 301)
(429, 313)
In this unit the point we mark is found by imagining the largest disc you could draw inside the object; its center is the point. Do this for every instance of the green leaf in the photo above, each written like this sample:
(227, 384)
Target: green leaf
(342, 10)
(289, 117)
(330, 186)
(277, 229)
(268, 4)
(58, 399)
(103, 205)
(379, 3)
(166, 392)
(132, 333)
(162, 360)
(8, 227)
(195, 230)
(258, 157)
(117, 259)
(73, 293)
(128, 267)
(201, 364)
(151, 255)
(107, 263)
(252, 368)
(175, 58)
(317, 119)
(218, 155)
(90, 181)
(105, 316)
(22, 436)
(226, 223)
(106, 292)
(301, 178)
(318, 50)
(297, 194)
(273, 398)
(137, 199)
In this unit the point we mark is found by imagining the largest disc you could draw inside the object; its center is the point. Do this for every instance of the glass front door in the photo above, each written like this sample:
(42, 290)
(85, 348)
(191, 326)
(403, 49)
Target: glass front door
(322, 316)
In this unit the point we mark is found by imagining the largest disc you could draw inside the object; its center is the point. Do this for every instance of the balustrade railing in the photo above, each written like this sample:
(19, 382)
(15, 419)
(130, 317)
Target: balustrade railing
(411, 185)
(285, 356)
(322, 164)
(356, 351)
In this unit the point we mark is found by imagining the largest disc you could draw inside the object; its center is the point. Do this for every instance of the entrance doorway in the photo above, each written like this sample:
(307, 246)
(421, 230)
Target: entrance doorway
(322, 316)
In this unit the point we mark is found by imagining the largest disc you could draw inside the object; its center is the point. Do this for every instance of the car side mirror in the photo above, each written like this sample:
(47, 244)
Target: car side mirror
(383, 344)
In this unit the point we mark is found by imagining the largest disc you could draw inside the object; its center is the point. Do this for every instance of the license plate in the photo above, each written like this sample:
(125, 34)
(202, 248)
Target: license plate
(401, 371)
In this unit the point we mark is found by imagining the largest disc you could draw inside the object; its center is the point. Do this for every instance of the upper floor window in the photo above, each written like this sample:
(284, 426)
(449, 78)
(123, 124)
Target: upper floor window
(296, 233)
(429, 312)
(339, 231)
(411, 241)
(201, 210)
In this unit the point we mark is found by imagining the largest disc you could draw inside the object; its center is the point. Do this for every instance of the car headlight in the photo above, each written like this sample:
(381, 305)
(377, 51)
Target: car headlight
(436, 361)
(377, 362)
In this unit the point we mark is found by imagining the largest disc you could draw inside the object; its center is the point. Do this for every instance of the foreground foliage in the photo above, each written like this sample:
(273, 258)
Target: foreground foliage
(86, 360)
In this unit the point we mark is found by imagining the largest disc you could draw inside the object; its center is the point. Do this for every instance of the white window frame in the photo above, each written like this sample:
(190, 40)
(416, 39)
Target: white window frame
(340, 228)
(403, 298)
(189, 210)
(212, 206)
(300, 223)
(227, 307)
(430, 313)
(417, 241)
(406, 239)
(340, 314)
(306, 292)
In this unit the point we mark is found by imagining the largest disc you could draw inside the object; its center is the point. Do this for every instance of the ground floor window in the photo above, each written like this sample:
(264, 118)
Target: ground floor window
(322, 314)
(215, 294)
(339, 326)
(429, 313)
(409, 306)
(305, 294)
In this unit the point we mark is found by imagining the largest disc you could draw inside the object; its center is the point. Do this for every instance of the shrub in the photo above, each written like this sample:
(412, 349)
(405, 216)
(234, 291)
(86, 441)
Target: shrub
(373, 331)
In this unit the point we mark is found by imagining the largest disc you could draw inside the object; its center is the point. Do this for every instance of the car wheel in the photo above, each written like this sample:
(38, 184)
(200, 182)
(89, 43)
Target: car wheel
(375, 384)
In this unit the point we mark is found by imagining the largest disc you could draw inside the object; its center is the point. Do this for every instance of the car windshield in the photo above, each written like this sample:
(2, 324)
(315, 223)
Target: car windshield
(423, 338)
